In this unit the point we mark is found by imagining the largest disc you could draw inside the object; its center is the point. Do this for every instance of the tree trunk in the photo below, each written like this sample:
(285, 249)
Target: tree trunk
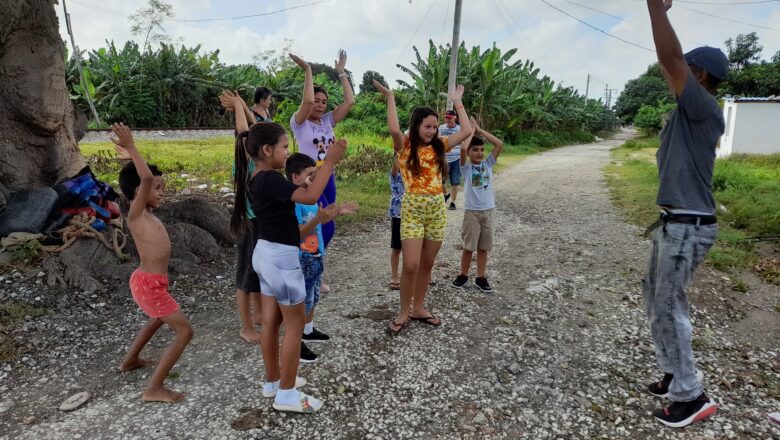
(38, 145)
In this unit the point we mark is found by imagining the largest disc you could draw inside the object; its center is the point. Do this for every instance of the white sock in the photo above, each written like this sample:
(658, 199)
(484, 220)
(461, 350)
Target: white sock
(287, 397)
(308, 328)
(270, 387)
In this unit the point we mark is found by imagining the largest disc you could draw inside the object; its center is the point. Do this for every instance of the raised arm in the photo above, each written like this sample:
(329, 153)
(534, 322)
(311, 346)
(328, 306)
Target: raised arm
(310, 195)
(307, 102)
(667, 46)
(124, 139)
(464, 146)
(324, 215)
(465, 126)
(392, 116)
(233, 102)
(497, 143)
(340, 112)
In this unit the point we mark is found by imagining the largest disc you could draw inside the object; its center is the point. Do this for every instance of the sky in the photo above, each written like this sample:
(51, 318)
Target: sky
(379, 34)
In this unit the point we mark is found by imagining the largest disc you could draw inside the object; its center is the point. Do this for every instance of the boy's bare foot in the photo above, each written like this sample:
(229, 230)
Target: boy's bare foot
(129, 365)
(162, 395)
(250, 335)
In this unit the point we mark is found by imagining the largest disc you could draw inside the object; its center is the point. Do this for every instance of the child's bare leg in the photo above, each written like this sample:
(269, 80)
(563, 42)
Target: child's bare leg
(411, 249)
(454, 193)
(156, 392)
(294, 318)
(269, 337)
(428, 254)
(395, 257)
(481, 262)
(247, 331)
(132, 359)
(310, 316)
(465, 262)
(257, 308)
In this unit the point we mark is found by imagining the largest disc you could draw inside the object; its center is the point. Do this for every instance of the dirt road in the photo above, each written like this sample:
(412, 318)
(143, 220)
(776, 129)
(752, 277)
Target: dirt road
(561, 350)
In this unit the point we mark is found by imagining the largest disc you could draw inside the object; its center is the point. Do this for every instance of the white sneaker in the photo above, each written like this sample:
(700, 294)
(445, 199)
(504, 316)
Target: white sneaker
(305, 404)
(299, 382)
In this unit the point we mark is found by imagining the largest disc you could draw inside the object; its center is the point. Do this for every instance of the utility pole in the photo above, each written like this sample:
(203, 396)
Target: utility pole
(454, 52)
(78, 65)
(587, 87)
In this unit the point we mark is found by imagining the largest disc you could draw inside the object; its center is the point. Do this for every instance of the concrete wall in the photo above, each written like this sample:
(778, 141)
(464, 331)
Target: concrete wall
(751, 128)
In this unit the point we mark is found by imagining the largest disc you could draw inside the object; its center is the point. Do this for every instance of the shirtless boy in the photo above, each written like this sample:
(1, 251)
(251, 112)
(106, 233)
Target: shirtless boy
(143, 185)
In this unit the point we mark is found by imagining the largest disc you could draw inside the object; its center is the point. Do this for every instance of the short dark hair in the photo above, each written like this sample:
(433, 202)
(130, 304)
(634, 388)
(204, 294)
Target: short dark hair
(129, 180)
(476, 141)
(320, 89)
(262, 93)
(297, 163)
(712, 82)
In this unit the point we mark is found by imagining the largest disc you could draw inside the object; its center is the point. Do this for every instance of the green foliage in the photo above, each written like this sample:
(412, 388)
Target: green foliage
(743, 50)
(747, 186)
(502, 94)
(366, 86)
(648, 89)
(650, 119)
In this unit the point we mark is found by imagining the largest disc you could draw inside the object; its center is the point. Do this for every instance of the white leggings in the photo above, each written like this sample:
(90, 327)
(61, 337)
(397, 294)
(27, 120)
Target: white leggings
(279, 269)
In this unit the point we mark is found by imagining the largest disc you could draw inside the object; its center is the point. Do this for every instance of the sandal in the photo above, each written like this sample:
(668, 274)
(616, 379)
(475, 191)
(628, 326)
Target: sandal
(395, 286)
(395, 328)
(429, 320)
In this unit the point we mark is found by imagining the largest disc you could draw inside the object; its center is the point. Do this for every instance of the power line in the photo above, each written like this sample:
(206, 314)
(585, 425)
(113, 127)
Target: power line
(239, 17)
(444, 22)
(415, 31)
(597, 28)
(727, 19)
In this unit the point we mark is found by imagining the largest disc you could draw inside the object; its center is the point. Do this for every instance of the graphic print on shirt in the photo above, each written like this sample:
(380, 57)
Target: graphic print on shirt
(480, 177)
(310, 243)
(322, 145)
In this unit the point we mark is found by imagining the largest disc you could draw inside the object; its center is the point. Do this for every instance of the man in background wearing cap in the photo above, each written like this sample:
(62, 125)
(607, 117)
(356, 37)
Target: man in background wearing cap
(688, 227)
(452, 157)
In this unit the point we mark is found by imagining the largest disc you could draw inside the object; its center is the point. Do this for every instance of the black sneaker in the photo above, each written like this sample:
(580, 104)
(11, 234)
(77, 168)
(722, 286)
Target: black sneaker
(452, 206)
(680, 414)
(459, 281)
(307, 356)
(661, 389)
(315, 336)
(446, 197)
(483, 284)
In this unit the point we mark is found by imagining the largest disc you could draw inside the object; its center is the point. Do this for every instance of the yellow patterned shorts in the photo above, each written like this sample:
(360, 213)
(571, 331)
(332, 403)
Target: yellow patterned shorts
(423, 216)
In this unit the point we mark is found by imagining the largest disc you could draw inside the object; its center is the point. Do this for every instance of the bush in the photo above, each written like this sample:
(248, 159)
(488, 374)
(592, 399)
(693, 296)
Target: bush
(366, 159)
(651, 118)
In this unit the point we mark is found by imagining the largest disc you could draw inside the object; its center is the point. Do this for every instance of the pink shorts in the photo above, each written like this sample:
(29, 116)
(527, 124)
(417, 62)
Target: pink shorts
(150, 292)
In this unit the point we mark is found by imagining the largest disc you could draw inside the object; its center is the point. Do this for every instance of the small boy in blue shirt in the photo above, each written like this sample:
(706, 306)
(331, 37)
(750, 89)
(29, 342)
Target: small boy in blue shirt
(477, 229)
(300, 170)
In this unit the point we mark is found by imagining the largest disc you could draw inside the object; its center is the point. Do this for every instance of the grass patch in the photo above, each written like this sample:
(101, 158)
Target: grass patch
(747, 186)
(362, 175)
(9, 315)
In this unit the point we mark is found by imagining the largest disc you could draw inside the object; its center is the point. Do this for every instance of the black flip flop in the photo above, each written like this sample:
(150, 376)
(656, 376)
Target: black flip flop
(429, 320)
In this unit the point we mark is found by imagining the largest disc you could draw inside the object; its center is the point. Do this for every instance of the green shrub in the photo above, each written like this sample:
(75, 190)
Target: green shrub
(651, 118)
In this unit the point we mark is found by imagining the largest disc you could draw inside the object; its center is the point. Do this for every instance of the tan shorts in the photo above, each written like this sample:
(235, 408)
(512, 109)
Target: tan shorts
(478, 230)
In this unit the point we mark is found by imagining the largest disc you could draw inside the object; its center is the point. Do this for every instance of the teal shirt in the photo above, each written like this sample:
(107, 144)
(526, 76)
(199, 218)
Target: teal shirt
(250, 169)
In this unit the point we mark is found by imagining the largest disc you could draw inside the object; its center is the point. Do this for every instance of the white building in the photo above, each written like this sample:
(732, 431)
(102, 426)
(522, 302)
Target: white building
(752, 126)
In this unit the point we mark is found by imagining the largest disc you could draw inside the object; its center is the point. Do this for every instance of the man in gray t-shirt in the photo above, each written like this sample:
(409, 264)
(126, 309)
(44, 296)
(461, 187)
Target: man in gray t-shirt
(688, 227)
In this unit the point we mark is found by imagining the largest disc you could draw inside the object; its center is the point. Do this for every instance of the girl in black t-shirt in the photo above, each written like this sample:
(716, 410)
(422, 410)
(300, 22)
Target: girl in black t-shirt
(275, 257)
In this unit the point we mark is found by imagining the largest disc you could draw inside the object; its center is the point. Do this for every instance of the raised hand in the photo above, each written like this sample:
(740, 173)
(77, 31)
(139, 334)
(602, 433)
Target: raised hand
(382, 89)
(336, 151)
(300, 62)
(121, 152)
(123, 138)
(347, 208)
(228, 99)
(474, 126)
(457, 93)
(341, 62)
(329, 213)
(667, 4)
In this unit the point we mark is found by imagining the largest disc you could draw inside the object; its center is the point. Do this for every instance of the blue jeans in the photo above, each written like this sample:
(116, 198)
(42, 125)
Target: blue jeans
(312, 268)
(677, 251)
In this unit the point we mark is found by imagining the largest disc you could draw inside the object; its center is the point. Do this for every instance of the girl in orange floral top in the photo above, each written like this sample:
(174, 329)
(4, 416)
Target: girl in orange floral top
(423, 215)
